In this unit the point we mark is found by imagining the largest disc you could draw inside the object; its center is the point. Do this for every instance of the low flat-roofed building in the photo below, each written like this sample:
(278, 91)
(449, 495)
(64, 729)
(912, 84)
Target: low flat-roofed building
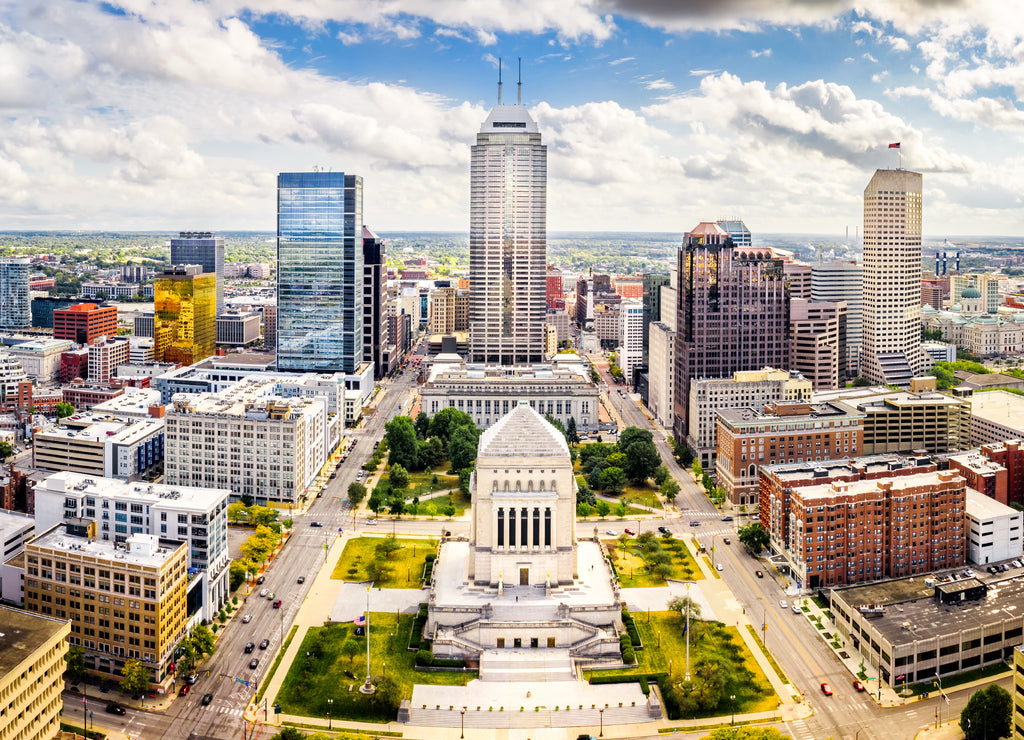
(16, 529)
(562, 388)
(982, 474)
(84, 395)
(903, 628)
(137, 403)
(41, 357)
(238, 328)
(150, 570)
(32, 665)
(996, 416)
(993, 530)
(901, 421)
(101, 444)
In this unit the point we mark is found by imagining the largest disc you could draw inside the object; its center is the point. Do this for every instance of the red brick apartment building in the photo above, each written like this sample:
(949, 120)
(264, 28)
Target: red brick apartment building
(851, 521)
(85, 322)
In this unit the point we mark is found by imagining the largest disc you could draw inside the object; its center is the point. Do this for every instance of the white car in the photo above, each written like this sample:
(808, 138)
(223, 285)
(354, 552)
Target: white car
(796, 609)
(610, 532)
(783, 604)
(264, 592)
(719, 567)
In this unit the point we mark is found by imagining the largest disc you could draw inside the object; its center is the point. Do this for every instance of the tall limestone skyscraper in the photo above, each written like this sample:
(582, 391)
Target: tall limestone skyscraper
(891, 345)
(507, 238)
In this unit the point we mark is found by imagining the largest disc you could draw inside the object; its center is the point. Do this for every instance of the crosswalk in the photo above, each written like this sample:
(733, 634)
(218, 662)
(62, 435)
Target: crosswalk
(800, 730)
(230, 711)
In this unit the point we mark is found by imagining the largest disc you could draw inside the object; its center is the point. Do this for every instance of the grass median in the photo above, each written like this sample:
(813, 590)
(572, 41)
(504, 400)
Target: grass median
(401, 568)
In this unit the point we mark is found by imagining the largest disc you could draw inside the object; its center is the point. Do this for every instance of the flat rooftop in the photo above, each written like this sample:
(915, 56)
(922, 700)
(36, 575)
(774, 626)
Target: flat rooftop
(896, 483)
(830, 469)
(21, 634)
(137, 553)
(135, 401)
(999, 407)
(90, 427)
(908, 602)
(980, 506)
(815, 412)
(186, 498)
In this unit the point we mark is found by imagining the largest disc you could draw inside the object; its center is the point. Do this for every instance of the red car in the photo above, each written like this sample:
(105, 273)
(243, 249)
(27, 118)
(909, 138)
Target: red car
(629, 531)
(858, 685)
(826, 689)
(184, 690)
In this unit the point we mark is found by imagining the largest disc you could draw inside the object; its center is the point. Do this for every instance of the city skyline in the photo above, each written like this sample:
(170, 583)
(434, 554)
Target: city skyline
(771, 112)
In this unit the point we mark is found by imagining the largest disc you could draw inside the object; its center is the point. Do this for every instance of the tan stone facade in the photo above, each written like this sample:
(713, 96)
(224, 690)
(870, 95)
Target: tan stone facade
(32, 650)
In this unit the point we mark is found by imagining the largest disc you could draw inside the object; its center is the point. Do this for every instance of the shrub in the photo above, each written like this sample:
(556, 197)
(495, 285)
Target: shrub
(424, 657)
(430, 558)
(628, 656)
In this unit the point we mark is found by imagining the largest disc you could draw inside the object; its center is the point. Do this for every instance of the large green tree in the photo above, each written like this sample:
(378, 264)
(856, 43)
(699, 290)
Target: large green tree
(6, 450)
(754, 537)
(75, 660)
(401, 437)
(570, 431)
(987, 714)
(445, 421)
(64, 409)
(422, 425)
(629, 435)
(745, 733)
(356, 492)
(463, 446)
(134, 677)
(613, 480)
(642, 461)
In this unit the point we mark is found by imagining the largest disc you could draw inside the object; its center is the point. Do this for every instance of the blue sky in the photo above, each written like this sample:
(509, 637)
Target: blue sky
(176, 114)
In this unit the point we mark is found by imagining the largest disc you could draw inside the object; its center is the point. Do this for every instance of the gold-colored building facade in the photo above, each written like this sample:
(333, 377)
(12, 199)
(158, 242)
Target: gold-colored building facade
(124, 602)
(184, 316)
(32, 650)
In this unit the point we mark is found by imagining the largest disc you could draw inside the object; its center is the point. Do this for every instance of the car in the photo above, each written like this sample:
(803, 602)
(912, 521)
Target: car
(726, 540)
(719, 567)
(260, 580)
(277, 604)
(250, 646)
(207, 698)
(271, 596)
(968, 573)
(115, 708)
(784, 604)
(333, 476)
(191, 679)
(1017, 564)
(264, 592)
(759, 574)
(254, 662)
(315, 524)
(796, 608)
(1002, 567)
(246, 619)
(826, 689)
(694, 524)
(992, 569)
(726, 518)
(611, 532)
(629, 531)
(320, 495)
(184, 690)
(302, 579)
(664, 530)
(371, 522)
(264, 644)
(858, 685)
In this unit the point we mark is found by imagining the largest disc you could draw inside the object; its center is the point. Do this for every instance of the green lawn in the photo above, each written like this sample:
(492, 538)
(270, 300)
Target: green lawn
(633, 571)
(665, 653)
(642, 495)
(305, 691)
(420, 483)
(406, 563)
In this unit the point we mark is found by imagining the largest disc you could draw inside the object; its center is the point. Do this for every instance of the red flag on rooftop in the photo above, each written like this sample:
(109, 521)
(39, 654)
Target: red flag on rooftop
(895, 146)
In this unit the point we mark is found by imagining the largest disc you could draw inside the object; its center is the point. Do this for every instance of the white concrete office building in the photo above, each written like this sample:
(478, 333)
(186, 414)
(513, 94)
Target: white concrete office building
(630, 353)
(993, 530)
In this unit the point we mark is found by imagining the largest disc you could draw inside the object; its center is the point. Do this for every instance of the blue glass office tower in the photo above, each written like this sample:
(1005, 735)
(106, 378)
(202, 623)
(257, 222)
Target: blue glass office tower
(319, 271)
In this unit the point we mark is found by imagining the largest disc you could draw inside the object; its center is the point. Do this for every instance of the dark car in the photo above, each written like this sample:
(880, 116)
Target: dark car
(277, 604)
(260, 580)
(726, 540)
(759, 574)
(184, 690)
(115, 708)
(264, 644)
(302, 579)
(254, 662)
(694, 524)
(726, 518)
(992, 569)
(250, 646)
(315, 524)
(663, 530)
(207, 698)
(191, 679)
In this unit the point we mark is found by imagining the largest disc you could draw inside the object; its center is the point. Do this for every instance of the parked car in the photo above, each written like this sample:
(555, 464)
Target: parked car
(264, 592)
(796, 608)
(992, 569)
(968, 573)
(858, 685)
(254, 662)
(264, 644)
(1017, 564)
(207, 698)
(260, 580)
(184, 690)
(826, 689)
(302, 579)
(191, 679)
(759, 574)
(784, 604)
(246, 619)
(719, 567)
(115, 708)
(250, 646)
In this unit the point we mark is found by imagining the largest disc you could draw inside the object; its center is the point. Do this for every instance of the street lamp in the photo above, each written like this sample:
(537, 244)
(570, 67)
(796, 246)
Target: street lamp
(732, 700)
(601, 713)
(330, 703)
(367, 688)
(462, 723)
(688, 584)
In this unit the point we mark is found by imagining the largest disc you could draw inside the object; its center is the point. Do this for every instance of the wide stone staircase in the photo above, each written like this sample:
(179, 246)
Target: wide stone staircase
(537, 666)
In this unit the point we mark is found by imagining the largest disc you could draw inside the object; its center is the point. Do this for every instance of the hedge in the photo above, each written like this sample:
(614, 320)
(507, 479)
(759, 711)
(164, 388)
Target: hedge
(416, 641)
(634, 634)
(427, 659)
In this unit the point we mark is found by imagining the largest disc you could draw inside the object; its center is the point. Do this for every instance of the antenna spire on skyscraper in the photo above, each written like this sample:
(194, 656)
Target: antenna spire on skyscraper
(499, 80)
(519, 85)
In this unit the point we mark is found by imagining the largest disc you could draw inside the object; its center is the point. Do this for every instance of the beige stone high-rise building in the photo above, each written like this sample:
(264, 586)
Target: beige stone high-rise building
(507, 238)
(449, 310)
(891, 348)
(817, 342)
(32, 649)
